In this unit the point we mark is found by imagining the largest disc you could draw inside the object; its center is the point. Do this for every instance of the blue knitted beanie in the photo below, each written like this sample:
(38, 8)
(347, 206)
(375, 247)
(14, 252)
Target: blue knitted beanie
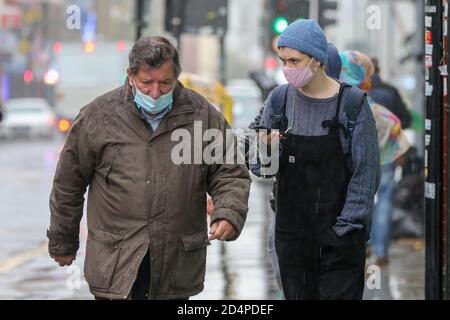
(307, 37)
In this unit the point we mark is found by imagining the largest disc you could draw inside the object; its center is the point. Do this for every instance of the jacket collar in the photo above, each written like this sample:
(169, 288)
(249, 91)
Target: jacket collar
(182, 110)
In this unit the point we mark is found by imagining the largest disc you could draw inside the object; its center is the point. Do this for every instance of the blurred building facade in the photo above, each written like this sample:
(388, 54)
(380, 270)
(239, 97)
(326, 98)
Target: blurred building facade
(31, 31)
(200, 52)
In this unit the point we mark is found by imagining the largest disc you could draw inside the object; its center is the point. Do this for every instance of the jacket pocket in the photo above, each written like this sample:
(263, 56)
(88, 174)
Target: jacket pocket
(191, 266)
(102, 254)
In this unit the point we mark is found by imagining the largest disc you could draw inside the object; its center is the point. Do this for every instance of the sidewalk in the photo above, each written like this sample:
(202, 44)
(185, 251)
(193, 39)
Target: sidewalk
(403, 278)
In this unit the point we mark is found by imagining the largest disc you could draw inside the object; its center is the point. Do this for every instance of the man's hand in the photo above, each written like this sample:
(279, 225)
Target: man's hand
(221, 230)
(63, 260)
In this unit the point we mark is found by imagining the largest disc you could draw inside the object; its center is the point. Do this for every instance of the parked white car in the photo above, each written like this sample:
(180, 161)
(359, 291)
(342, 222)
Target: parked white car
(28, 118)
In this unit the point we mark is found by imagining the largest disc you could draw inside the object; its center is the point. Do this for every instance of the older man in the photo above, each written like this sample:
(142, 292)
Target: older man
(147, 225)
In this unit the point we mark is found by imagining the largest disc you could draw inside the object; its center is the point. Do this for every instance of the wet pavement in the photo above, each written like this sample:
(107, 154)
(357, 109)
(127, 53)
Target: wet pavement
(235, 270)
(403, 278)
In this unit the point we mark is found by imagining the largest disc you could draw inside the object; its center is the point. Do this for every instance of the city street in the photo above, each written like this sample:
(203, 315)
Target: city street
(236, 270)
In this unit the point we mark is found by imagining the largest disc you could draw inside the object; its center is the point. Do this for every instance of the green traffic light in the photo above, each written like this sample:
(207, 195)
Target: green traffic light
(280, 24)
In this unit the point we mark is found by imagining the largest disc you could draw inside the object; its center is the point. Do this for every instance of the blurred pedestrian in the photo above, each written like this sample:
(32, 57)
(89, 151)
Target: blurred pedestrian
(388, 96)
(328, 174)
(147, 216)
(358, 70)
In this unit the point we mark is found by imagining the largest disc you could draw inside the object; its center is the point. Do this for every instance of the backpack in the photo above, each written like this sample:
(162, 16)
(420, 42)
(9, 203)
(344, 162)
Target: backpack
(352, 102)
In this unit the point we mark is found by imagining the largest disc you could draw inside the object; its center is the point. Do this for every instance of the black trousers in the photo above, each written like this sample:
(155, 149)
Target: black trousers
(141, 286)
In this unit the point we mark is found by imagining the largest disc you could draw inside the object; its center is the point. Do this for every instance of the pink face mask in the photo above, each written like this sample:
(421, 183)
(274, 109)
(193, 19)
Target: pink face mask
(298, 77)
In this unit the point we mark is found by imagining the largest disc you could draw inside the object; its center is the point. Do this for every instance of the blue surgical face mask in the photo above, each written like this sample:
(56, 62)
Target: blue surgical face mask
(153, 106)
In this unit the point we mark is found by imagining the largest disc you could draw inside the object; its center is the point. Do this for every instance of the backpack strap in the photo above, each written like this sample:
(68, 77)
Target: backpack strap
(353, 101)
(335, 123)
(278, 104)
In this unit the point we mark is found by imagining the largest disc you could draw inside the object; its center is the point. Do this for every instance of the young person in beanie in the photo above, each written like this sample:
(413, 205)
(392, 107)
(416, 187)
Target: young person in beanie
(329, 172)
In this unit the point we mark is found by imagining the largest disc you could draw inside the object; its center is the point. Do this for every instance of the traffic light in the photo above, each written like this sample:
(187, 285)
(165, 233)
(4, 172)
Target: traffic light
(282, 13)
(197, 16)
(280, 24)
(327, 12)
(141, 16)
(285, 12)
(174, 16)
(28, 76)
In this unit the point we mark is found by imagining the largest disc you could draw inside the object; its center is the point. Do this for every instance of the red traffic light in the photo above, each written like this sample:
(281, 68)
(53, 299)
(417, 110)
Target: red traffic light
(28, 76)
(121, 45)
(57, 46)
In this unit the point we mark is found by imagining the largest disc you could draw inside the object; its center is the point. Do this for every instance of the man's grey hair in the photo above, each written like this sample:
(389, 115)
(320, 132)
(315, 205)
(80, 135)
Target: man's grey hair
(153, 52)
